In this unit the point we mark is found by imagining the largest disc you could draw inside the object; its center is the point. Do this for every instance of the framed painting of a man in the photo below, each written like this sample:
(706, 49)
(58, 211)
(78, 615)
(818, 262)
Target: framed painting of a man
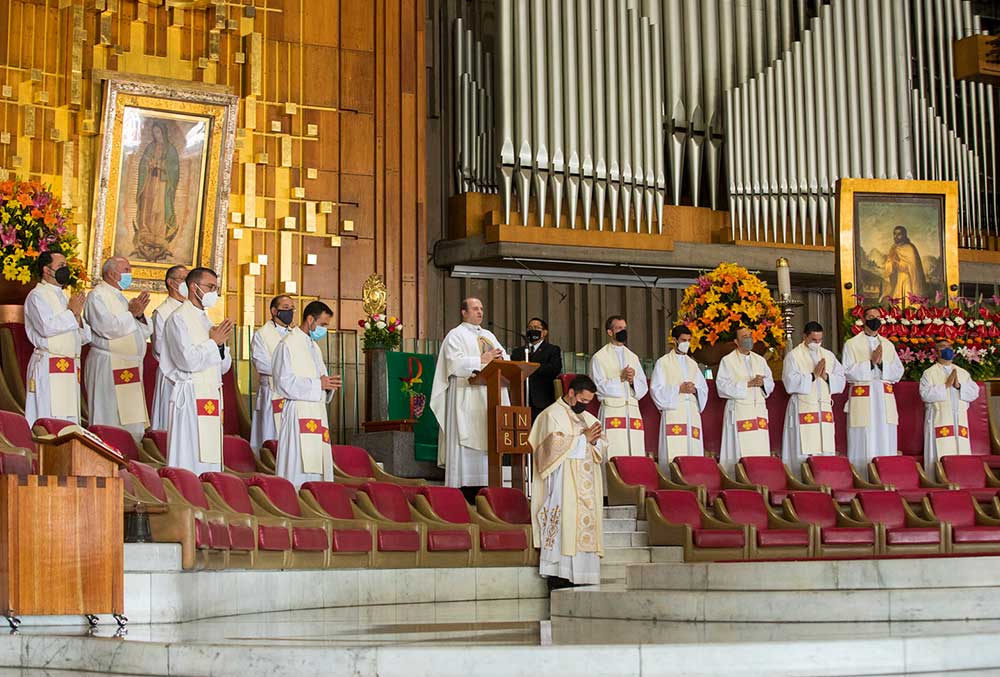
(897, 240)
(162, 193)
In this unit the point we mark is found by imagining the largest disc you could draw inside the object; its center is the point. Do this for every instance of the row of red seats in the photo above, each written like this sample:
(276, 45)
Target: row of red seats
(326, 524)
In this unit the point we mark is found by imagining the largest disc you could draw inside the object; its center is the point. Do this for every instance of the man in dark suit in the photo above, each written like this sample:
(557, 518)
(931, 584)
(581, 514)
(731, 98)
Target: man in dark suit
(541, 384)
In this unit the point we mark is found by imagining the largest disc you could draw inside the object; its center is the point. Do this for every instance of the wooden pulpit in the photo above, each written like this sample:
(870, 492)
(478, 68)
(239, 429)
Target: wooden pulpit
(61, 540)
(507, 426)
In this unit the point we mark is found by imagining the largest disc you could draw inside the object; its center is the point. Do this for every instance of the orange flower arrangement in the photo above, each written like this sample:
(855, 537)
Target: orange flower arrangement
(727, 298)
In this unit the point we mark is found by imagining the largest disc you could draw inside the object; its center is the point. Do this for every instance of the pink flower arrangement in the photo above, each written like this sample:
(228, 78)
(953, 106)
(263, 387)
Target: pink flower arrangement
(381, 331)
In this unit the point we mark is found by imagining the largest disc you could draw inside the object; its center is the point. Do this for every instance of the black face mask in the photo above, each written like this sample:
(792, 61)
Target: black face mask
(873, 323)
(533, 334)
(579, 408)
(286, 316)
(62, 276)
(621, 335)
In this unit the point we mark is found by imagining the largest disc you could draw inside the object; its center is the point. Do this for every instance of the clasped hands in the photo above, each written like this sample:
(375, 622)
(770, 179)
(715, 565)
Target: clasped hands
(628, 374)
(952, 380)
(593, 433)
(756, 382)
(489, 356)
(819, 371)
(221, 332)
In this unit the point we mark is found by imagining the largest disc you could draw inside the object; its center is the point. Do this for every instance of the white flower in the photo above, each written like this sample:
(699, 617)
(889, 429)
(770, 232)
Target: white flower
(937, 321)
(989, 323)
(890, 320)
(949, 323)
(927, 320)
(858, 322)
(905, 322)
(959, 321)
(380, 324)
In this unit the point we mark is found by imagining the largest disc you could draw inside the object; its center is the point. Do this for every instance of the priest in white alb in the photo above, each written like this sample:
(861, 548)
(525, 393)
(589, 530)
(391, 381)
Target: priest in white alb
(946, 389)
(872, 369)
(195, 356)
(745, 382)
(55, 327)
(119, 330)
(459, 406)
(621, 383)
(812, 376)
(567, 488)
(299, 376)
(679, 390)
(177, 293)
(267, 409)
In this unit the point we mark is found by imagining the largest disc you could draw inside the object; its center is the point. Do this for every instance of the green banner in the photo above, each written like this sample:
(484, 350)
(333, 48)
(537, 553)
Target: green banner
(410, 378)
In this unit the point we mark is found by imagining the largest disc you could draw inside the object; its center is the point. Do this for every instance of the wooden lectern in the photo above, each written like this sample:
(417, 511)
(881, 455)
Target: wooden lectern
(61, 540)
(507, 427)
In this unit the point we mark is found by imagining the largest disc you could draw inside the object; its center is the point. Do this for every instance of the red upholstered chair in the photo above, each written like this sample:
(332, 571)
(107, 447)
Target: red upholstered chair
(900, 530)
(149, 367)
(834, 533)
(971, 474)
(503, 505)
(838, 475)
(906, 476)
(181, 523)
(450, 542)
(48, 426)
(711, 423)
(694, 472)
(402, 540)
(229, 494)
(183, 487)
(16, 350)
(679, 518)
(777, 403)
(353, 465)
(770, 535)
(983, 438)
(238, 457)
(632, 478)
(310, 536)
(15, 432)
(910, 431)
(772, 478)
(236, 420)
(119, 438)
(269, 455)
(971, 529)
(334, 503)
(15, 462)
(497, 544)
(154, 447)
(651, 417)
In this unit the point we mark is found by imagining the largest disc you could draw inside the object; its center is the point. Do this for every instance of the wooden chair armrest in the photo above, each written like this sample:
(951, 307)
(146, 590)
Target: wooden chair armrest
(983, 518)
(260, 501)
(776, 521)
(383, 476)
(798, 485)
(848, 521)
(486, 512)
(242, 475)
(915, 520)
(861, 483)
(991, 479)
(926, 481)
(432, 520)
(722, 516)
(872, 472)
(663, 532)
(349, 479)
(149, 453)
(263, 468)
(729, 483)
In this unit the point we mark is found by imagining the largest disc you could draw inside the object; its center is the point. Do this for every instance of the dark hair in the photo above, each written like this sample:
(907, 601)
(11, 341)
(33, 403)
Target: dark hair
(545, 325)
(45, 259)
(277, 299)
(679, 330)
(611, 320)
(582, 382)
(867, 308)
(195, 274)
(811, 328)
(315, 309)
(170, 272)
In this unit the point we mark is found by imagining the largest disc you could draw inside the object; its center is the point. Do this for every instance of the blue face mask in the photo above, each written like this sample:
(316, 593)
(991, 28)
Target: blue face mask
(948, 354)
(317, 333)
(126, 281)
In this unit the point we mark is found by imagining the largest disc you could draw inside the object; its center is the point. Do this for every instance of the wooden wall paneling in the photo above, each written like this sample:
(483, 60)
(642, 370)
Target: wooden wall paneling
(389, 242)
(357, 23)
(357, 77)
(381, 60)
(356, 131)
(322, 66)
(321, 22)
(420, 252)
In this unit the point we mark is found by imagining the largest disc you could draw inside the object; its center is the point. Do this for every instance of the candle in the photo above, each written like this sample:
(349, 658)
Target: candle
(784, 279)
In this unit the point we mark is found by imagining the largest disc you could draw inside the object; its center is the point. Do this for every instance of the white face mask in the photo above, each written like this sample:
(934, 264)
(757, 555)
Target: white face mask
(182, 289)
(813, 346)
(683, 347)
(209, 299)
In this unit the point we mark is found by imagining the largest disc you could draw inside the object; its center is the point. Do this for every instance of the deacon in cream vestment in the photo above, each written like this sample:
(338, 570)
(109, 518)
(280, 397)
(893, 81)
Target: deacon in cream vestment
(113, 373)
(177, 294)
(681, 432)
(619, 415)
(567, 494)
(745, 424)
(460, 407)
(871, 373)
(946, 409)
(53, 387)
(194, 359)
(809, 426)
(267, 408)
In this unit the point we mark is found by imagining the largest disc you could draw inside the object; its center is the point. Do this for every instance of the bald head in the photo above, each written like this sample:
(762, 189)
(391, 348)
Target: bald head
(113, 270)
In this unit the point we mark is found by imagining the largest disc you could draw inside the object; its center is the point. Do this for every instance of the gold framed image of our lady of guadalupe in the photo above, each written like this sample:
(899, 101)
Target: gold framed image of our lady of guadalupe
(898, 240)
(162, 193)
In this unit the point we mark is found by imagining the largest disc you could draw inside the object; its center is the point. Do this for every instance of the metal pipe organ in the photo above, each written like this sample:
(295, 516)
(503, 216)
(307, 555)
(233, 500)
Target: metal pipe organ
(609, 109)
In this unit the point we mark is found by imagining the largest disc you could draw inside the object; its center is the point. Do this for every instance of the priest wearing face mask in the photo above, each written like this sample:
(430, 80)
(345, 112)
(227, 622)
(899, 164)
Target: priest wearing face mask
(946, 390)
(744, 381)
(299, 376)
(812, 376)
(621, 383)
(567, 488)
(177, 294)
(195, 357)
(679, 390)
(119, 329)
(541, 384)
(872, 369)
(55, 327)
(267, 409)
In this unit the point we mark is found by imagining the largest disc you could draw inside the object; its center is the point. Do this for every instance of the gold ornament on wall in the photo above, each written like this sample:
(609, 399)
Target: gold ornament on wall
(373, 295)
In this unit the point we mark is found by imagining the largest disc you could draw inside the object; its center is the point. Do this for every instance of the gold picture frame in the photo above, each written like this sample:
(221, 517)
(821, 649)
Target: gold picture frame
(895, 238)
(162, 194)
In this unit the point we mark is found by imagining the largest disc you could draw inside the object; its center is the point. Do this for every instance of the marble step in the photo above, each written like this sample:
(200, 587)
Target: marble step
(620, 525)
(620, 512)
(625, 539)
(629, 555)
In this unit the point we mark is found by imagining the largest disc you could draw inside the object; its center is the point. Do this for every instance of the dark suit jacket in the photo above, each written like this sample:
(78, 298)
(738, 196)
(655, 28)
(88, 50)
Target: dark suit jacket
(541, 386)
